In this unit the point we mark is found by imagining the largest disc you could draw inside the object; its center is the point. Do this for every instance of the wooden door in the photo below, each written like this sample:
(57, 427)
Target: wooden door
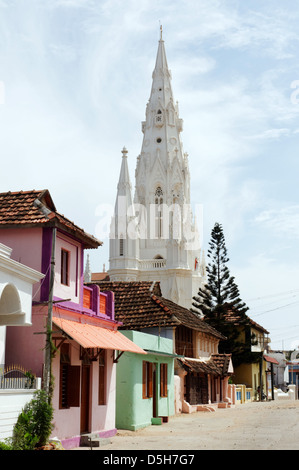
(85, 399)
(154, 391)
(196, 389)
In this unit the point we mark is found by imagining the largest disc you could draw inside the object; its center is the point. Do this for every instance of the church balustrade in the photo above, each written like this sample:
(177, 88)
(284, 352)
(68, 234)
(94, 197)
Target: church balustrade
(152, 264)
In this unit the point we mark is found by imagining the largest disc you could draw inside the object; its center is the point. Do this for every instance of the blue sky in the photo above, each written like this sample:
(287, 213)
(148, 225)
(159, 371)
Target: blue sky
(75, 77)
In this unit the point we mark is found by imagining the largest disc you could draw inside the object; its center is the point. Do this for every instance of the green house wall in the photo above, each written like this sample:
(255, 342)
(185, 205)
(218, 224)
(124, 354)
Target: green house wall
(132, 410)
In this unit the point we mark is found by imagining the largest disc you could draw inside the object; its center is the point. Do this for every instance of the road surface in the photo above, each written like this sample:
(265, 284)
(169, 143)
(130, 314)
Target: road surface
(270, 425)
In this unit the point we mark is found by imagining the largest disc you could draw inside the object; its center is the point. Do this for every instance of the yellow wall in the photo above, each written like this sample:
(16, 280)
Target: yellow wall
(249, 375)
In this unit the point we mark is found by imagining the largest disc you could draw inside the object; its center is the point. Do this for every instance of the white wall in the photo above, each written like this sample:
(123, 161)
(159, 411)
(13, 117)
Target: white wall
(2, 346)
(11, 404)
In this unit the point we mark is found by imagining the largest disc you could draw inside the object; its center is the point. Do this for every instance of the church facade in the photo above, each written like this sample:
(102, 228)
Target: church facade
(154, 235)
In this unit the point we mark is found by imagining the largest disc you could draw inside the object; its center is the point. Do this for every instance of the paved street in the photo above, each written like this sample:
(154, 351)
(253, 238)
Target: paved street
(254, 426)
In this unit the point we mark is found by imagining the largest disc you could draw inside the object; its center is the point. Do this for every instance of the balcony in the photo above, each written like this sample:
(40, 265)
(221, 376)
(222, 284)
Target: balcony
(151, 264)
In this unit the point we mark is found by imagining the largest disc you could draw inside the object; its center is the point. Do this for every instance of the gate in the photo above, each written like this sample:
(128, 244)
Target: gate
(16, 377)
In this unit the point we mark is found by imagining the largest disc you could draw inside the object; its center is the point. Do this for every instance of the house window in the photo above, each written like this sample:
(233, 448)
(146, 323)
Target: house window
(69, 383)
(65, 259)
(147, 379)
(102, 378)
(184, 341)
(163, 380)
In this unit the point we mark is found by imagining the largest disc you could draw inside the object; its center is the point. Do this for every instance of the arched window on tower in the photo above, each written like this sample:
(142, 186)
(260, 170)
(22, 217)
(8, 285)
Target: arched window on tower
(158, 211)
(159, 118)
(121, 246)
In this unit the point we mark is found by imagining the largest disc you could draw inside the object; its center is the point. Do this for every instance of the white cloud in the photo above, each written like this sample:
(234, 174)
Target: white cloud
(283, 222)
(274, 134)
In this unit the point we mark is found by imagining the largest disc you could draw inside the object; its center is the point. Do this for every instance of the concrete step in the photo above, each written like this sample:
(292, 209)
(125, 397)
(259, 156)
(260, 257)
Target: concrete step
(93, 440)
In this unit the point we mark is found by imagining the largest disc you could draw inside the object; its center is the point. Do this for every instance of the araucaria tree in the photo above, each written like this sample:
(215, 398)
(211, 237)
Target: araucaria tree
(219, 302)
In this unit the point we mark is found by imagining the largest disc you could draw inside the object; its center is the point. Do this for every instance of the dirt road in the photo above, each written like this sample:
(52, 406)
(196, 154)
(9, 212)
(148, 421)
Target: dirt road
(270, 425)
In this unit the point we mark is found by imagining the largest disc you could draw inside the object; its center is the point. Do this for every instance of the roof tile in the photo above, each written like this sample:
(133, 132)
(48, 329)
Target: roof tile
(140, 305)
(35, 208)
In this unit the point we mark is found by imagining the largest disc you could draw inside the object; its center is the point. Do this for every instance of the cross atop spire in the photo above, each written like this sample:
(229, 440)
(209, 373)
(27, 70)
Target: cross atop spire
(161, 31)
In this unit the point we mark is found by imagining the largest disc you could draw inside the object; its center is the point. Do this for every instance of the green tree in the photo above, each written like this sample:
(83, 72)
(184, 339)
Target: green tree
(219, 302)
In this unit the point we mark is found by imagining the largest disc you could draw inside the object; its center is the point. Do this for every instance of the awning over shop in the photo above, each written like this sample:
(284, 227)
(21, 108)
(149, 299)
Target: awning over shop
(271, 359)
(200, 366)
(92, 336)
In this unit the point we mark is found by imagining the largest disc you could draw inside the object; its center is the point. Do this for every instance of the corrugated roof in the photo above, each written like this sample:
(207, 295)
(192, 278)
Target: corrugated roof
(92, 336)
(271, 359)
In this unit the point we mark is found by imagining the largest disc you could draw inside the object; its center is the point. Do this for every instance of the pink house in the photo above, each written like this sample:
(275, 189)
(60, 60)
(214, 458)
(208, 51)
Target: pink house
(85, 334)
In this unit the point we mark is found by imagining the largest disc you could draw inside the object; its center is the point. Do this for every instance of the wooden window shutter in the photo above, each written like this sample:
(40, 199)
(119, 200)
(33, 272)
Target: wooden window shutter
(147, 379)
(163, 380)
(150, 379)
(87, 298)
(73, 389)
(144, 380)
(103, 301)
(63, 385)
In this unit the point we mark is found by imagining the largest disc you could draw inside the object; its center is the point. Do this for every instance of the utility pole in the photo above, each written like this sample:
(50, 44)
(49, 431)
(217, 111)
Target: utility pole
(48, 355)
(272, 381)
(261, 377)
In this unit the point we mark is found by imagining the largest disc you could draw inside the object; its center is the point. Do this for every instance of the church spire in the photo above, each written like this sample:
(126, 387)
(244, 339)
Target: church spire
(123, 202)
(155, 246)
(123, 247)
(162, 158)
(124, 186)
(87, 271)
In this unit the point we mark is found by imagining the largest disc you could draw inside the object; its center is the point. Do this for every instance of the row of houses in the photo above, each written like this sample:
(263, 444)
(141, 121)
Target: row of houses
(124, 356)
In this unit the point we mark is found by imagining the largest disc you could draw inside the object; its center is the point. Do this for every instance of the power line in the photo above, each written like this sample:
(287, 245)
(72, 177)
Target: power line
(273, 295)
(283, 334)
(283, 338)
(284, 326)
(273, 309)
(274, 302)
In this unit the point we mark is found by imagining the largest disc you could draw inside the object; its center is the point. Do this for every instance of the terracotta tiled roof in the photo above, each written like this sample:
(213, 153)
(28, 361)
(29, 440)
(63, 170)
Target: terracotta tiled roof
(140, 305)
(134, 306)
(104, 276)
(190, 319)
(232, 316)
(36, 208)
(222, 361)
(214, 365)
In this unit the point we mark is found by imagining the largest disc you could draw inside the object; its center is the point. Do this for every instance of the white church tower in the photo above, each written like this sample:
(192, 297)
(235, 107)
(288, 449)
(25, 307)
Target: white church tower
(161, 242)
